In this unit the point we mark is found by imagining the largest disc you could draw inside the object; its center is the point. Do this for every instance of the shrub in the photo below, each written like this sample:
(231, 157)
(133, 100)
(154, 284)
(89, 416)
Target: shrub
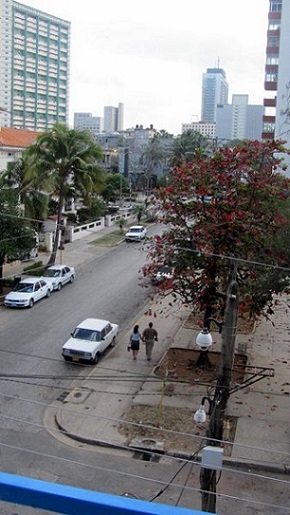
(34, 269)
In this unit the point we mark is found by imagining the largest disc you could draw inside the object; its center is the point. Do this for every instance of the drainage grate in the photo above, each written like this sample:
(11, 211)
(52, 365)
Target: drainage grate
(63, 395)
(147, 456)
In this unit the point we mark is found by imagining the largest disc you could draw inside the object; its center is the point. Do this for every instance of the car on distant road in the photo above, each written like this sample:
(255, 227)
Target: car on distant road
(27, 292)
(58, 275)
(136, 233)
(89, 340)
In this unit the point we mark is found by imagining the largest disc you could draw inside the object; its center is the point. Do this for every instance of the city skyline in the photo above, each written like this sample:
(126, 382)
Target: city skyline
(152, 61)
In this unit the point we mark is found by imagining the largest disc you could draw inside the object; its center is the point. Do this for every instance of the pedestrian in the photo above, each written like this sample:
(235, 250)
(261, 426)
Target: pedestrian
(135, 341)
(149, 336)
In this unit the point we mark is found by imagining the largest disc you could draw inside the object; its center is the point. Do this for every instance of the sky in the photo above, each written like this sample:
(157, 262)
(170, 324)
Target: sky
(151, 55)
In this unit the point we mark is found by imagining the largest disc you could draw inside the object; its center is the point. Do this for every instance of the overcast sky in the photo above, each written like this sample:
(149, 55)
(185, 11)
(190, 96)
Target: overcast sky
(151, 55)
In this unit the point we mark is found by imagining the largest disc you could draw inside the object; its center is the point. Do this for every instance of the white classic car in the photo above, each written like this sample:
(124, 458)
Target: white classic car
(58, 275)
(89, 340)
(136, 233)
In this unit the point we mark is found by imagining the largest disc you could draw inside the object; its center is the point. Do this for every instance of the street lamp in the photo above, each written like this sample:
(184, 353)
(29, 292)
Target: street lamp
(204, 342)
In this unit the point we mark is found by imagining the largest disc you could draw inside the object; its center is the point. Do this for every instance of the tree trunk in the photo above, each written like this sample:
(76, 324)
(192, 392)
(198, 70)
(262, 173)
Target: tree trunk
(52, 258)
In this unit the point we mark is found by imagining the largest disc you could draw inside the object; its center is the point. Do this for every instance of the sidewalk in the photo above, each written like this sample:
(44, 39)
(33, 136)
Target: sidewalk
(92, 410)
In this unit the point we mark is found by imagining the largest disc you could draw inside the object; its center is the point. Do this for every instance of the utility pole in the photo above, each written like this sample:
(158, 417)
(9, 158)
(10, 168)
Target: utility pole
(214, 434)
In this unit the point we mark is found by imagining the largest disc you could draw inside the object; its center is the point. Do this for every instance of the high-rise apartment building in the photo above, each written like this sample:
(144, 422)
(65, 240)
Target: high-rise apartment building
(276, 121)
(34, 67)
(113, 118)
(214, 92)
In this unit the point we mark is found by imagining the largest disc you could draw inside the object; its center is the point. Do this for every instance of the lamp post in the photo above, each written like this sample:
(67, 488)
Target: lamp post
(208, 477)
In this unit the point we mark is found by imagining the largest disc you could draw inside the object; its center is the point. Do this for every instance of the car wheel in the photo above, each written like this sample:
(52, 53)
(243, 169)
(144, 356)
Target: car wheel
(72, 278)
(66, 358)
(96, 358)
(31, 303)
(59, 286)
(48, 293)
(113, 342)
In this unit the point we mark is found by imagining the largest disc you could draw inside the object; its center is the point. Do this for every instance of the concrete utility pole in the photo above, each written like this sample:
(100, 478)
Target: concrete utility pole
(208, 477)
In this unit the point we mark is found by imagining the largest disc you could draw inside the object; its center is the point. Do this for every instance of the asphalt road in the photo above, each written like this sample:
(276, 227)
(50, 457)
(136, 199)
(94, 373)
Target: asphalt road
(36, 375)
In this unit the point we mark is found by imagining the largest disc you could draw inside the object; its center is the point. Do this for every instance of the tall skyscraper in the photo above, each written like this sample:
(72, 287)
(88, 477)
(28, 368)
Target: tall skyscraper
(214, 92)
(113, 118)
(34, 67)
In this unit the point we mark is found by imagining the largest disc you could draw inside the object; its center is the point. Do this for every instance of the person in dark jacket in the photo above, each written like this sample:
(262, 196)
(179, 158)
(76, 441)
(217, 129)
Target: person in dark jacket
(149, 336)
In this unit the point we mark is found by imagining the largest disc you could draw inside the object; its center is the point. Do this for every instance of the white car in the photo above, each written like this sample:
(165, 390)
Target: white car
(89, 340)
(136, 233)
(27, 292)
(58, 275)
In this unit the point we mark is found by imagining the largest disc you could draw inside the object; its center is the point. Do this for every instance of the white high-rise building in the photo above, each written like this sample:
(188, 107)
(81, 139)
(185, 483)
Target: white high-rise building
(214, 92)
(34, 67)
(113, 118)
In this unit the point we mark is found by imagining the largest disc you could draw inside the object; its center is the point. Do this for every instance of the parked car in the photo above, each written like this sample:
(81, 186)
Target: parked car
(89, 340)
(58, 275)
(162, 273)
(27, 292)
(136, 233)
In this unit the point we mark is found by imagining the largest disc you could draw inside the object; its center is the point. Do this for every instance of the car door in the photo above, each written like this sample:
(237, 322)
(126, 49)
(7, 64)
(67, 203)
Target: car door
(38, 292)
(43, 289)
(104, 340)
(66, 275)
(109, 334)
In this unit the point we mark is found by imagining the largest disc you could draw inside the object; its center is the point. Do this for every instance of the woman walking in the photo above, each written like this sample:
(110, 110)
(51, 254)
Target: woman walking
(135, 341)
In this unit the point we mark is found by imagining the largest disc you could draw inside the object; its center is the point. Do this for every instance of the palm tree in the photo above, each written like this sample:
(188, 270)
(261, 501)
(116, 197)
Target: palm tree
(60, 160)
(35, 202)
(187, 145)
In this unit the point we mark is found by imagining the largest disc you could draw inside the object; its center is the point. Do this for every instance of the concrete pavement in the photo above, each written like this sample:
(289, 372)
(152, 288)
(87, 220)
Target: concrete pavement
(91, 411)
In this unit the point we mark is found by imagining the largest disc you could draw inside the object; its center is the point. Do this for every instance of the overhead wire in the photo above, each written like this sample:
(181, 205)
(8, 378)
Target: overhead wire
(138, 476)
(143, 426)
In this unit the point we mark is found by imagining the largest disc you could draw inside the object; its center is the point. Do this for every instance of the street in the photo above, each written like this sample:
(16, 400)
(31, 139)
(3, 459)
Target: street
(34, 375)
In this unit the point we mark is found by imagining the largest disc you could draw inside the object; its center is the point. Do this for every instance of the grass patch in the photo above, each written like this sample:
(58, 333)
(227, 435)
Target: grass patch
(109, 240)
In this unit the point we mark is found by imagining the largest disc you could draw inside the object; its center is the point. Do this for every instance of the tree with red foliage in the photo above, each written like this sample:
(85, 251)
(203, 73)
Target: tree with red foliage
(219, 209)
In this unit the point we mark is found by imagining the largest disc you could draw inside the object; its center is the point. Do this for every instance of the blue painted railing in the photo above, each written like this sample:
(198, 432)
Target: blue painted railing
(73, 501)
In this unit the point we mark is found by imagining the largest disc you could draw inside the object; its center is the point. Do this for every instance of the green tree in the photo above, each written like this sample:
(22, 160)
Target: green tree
(17, 238)
(188, 145)
(115, 185)
(216, 209)
(35, 201)
(63, 159)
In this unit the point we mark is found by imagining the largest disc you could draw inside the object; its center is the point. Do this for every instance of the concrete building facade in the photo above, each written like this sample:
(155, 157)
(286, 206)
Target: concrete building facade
(34, 67)
(239, 120)
(276, 121)
(92, 124)
(208, 130)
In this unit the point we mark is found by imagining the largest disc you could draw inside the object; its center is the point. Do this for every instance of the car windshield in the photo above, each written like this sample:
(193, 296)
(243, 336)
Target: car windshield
(136, 229)
(24, 288)
(51, 273)
(87, 334)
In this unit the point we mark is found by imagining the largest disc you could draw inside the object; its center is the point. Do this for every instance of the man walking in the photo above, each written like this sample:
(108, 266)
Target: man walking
(149, 336)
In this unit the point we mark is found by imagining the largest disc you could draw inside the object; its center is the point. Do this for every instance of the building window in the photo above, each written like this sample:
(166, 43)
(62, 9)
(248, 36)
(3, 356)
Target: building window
(276, 5)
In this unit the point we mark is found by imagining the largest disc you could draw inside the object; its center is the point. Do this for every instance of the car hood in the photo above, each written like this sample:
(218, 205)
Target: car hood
(15, 295)
(77, 344)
